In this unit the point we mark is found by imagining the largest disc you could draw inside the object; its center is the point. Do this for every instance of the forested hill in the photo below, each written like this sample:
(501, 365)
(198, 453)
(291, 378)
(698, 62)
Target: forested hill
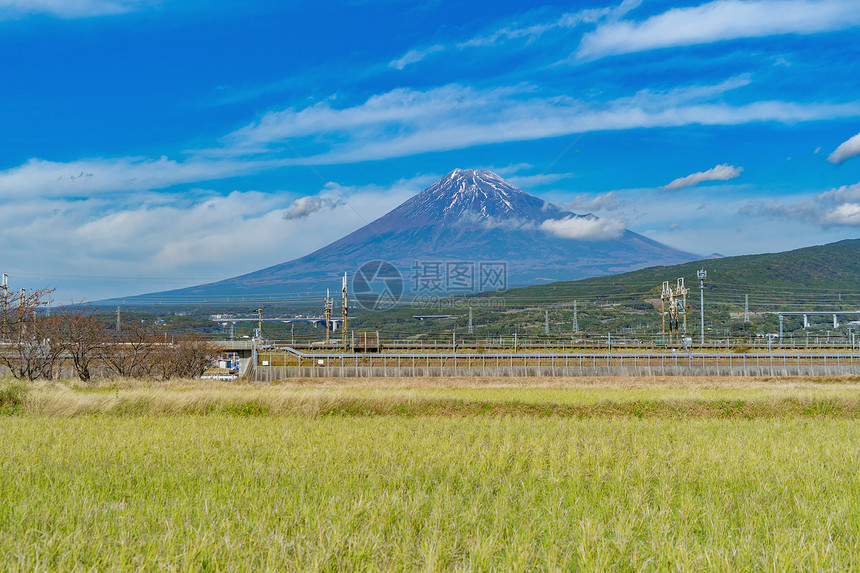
(824, 269)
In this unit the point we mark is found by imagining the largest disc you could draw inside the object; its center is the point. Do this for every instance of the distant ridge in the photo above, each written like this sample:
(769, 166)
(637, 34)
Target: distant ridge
(826, 270)
(469, 216)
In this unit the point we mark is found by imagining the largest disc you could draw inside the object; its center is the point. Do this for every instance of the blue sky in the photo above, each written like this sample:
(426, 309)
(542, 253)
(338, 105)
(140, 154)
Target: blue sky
(153, 145)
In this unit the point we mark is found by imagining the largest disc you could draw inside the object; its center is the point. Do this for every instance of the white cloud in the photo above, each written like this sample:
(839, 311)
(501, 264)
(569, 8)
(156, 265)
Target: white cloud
(586, 203)
(69, 9)
(527, 182)
(304, 206)
(718, 21)
(846, 150)
(508, 170)
(843, 194)
(584, 228)
(722, 172)
(534, 31)
(838, 207)
(86, 177)
(414, 56)
(568, 20)
(845, 214)
(517, 31)
(108, 244)
(406, 122)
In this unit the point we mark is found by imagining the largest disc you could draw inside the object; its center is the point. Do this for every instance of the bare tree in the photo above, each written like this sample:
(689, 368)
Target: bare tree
(83, 336)
(182, 356)
(30, 348)
(130, 352)
(32, 344)
(191, 355)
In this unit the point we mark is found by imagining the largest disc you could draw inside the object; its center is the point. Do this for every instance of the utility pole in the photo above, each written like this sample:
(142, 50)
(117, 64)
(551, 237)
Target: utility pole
(702, 275)
(328, 306)
(22, 310)
(259, 312)
(118, 320)
(575, 321)
(663, 295)
(471, 329)
(746, 308)
(546, 322)
(344, 310)
(683, 290)
(5, 286)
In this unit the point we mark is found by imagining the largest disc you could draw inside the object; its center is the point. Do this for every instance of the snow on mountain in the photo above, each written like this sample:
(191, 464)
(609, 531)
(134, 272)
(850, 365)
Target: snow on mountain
(472, 195)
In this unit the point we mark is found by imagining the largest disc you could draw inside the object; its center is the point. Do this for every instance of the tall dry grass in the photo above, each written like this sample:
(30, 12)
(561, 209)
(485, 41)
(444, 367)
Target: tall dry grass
(586, 397)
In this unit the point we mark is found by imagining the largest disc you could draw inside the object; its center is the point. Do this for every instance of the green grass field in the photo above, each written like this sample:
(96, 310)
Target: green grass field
(393, 475)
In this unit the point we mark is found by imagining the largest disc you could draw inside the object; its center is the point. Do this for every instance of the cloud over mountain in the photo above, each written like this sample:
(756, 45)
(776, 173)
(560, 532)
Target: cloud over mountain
(584, 228)
(304, 206)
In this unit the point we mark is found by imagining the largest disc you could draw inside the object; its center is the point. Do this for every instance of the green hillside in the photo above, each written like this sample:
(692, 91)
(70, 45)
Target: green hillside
(826, 268)
(822, 278)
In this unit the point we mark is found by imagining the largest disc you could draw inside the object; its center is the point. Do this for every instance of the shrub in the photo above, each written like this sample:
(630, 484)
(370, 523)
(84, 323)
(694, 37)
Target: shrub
(12, 397)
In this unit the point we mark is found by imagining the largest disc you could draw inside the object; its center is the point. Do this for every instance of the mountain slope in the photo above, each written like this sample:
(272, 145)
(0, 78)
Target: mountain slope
(823, 278)
(468, 216)
(811, 274)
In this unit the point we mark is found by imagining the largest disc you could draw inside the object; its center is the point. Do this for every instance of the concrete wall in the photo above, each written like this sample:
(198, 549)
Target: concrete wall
(65, 372)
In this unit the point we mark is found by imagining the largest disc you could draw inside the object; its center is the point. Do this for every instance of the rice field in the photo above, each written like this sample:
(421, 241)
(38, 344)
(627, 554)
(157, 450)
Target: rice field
(431, 475)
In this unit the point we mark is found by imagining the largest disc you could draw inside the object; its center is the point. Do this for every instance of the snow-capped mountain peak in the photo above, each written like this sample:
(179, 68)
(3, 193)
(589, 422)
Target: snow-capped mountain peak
(472, 195)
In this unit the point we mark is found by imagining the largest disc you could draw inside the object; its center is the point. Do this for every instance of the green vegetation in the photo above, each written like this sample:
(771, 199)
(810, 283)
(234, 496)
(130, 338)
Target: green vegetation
(13, 395)
(573, 474)
(822, 278)
(389, 493)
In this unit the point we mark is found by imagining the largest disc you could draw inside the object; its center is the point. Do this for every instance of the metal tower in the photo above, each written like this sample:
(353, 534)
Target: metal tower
(677, 299)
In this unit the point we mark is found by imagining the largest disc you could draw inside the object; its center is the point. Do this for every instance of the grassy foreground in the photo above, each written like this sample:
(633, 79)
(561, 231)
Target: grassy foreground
(329, 490)
(670, 397)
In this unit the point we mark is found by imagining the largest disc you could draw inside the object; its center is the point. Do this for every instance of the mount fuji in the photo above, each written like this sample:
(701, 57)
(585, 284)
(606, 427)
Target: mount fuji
(468, 218)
